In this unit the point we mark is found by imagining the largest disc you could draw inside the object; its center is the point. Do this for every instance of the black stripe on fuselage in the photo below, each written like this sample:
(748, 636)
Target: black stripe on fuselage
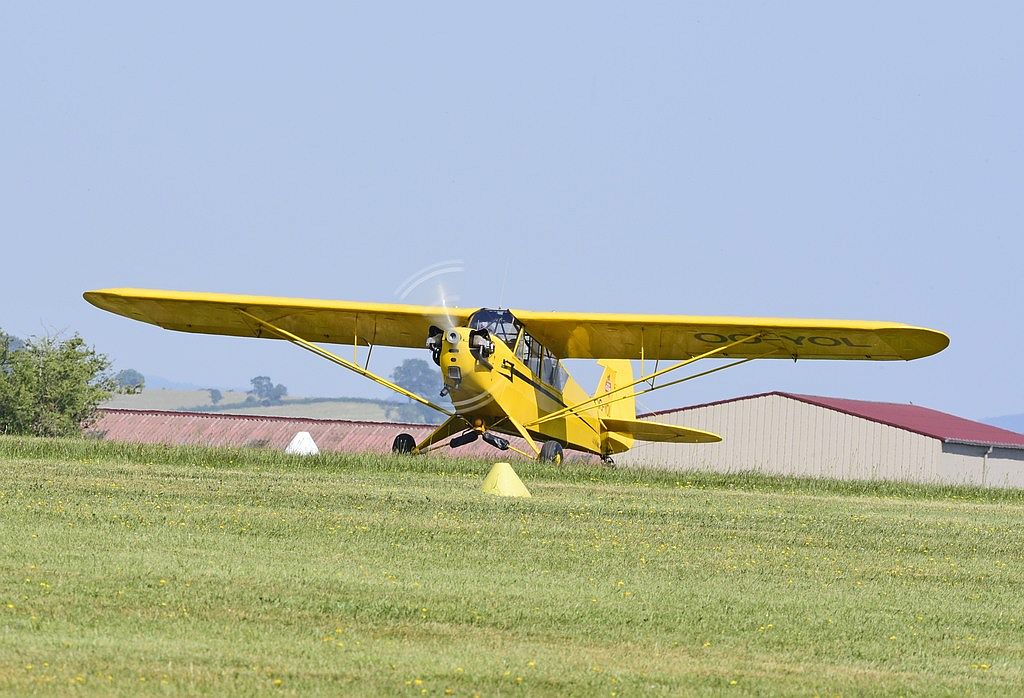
(514, 372)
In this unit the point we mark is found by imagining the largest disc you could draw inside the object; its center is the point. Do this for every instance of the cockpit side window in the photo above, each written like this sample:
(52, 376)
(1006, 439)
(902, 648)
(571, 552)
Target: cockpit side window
(541, 362)
(552, 371)
(530, 353)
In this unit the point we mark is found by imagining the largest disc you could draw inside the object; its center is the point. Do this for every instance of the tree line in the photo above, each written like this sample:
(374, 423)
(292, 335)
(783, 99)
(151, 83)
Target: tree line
(53, 386)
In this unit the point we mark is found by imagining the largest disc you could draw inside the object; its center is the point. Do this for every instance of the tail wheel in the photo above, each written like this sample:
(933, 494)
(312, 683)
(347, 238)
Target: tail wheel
(551, 452)
(404, 443)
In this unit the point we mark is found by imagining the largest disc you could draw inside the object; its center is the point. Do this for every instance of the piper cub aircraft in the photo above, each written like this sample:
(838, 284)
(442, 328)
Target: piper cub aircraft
(502, 368)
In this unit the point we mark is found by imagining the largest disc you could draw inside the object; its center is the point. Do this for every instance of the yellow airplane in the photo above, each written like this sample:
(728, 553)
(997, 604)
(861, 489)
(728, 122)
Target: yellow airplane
(502, 368)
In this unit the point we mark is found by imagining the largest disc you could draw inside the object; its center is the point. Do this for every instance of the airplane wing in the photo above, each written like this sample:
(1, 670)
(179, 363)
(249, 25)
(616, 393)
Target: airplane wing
(567, 335)
(677, 337)
(333, 322)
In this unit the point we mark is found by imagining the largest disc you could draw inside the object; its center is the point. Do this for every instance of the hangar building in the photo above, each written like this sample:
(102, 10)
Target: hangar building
(804, 435)
(264, 431)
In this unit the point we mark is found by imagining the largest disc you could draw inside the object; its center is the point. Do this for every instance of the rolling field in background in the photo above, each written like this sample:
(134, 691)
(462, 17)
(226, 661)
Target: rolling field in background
(168, 399)
(233, 402)
(326, 408)
(128, 569)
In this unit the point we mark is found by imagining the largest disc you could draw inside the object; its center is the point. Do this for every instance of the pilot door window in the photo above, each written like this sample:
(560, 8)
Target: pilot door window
(544, 365)
(530, 353)
(552, 371)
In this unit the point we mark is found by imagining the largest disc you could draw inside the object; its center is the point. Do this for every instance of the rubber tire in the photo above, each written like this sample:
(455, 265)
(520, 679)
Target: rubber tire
(404, 443)
(551, 452)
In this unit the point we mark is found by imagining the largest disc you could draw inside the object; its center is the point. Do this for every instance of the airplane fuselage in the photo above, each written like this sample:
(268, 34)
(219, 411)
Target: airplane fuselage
(496, 384)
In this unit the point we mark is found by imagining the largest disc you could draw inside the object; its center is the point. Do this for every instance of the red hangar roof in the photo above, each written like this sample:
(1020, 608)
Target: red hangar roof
(221, 429)
(945, 427)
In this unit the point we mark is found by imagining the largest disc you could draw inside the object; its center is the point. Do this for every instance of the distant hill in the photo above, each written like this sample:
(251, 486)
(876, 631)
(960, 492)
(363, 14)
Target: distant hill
(234, 402)
(156, 398)
(323, 408)
(1013, 422)
(161, 383)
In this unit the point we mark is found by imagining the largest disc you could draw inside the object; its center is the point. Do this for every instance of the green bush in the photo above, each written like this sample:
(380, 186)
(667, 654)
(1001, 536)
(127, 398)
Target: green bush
(51, 387)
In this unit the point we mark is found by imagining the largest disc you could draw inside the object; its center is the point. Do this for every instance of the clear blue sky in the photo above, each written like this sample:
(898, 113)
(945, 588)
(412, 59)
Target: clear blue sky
(798, 159)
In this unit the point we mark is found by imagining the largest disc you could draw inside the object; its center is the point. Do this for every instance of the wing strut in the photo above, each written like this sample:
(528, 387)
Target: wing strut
(323, 353)
(602, 400)
(526, 437)
(677, 381)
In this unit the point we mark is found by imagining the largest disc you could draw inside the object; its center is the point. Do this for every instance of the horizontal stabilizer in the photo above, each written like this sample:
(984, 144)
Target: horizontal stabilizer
(656, 431)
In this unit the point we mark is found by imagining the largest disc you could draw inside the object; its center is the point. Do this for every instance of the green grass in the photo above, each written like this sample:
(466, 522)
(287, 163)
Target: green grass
(129, 568)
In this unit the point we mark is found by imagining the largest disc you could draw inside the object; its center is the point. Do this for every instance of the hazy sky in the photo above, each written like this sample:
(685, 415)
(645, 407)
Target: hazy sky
(795, 159)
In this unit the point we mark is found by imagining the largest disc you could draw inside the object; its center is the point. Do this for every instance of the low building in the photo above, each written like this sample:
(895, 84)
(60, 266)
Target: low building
(262, 431)
(804, 435)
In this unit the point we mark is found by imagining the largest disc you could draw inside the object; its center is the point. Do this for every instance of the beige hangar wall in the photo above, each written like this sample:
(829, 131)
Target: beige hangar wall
(779, 435)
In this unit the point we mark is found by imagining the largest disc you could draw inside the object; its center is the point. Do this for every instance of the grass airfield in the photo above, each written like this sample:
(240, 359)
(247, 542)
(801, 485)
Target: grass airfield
(131, 569)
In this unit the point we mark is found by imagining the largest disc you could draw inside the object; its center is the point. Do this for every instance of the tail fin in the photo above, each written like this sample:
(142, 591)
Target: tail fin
(617, 373)
(620, 408)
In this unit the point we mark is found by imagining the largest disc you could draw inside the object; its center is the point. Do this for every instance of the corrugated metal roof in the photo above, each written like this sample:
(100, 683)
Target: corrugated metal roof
(921, 420)
(212, 429)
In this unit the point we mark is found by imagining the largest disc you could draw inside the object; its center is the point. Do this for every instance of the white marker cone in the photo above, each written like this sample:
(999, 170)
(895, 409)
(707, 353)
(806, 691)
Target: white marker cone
(303, 445)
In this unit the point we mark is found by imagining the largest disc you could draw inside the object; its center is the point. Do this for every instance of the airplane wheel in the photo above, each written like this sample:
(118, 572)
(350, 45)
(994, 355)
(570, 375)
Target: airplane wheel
(607, 460)
(404, 443)
(551, 452)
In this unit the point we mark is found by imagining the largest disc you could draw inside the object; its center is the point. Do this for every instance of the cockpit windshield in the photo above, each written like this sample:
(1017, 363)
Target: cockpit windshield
(499, 323)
